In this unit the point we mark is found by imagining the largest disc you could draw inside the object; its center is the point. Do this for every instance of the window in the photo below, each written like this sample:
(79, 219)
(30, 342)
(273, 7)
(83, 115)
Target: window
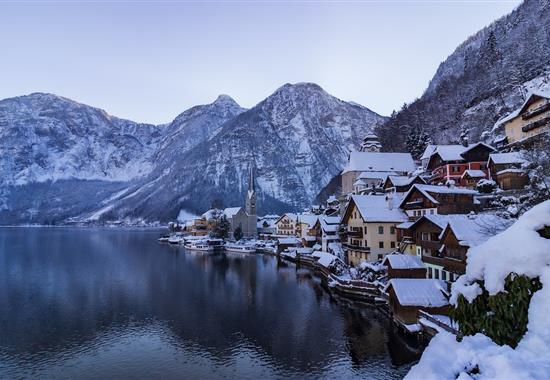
(365, 229)
(392, 230)
(392, 244)
(429, 272)
(380, 244)
(380, 256)
(444, 275)
(423, 212)
(432, 212)
(381, 230)
(425, 236)
(436, 274)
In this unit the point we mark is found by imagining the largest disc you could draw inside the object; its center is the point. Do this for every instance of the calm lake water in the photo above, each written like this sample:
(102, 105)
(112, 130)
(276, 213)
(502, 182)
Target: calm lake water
(104, 303)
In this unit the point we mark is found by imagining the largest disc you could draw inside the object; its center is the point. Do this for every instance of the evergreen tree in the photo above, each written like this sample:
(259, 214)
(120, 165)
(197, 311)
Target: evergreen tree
(238, 233)
(222, 228)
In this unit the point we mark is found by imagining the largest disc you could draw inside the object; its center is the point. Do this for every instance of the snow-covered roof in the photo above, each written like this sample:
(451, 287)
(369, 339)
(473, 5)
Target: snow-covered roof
(402, 261)
(324, 258)
(427, 190)
(474, 173)
(231, 211)
(289, 240)
(450, 152)
(309, 219)
(375, 175)
(402, 180)
(511, 170)
(374, 208)
(430, 149)
(289, 215)
(516, 112)
(507, 158)
(405, 225)
(304, 250)
(379, 161)
(419, 291)
(472, 230)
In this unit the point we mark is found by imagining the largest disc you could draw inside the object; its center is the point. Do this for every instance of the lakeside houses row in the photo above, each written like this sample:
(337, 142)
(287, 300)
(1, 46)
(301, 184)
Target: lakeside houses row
(418, 219)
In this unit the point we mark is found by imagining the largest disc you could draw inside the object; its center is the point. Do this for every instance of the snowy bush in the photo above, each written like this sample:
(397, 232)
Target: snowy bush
(486, 186)
(515, 261)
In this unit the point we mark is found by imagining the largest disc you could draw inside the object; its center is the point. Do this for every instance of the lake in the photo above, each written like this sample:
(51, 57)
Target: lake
(114, 303)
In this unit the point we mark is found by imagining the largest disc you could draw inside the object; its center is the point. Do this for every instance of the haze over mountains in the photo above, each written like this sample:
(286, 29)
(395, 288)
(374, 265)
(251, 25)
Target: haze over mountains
(68, 162)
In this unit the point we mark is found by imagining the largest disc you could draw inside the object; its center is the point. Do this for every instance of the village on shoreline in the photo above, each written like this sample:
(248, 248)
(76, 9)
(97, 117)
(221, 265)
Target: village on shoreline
(399, 232)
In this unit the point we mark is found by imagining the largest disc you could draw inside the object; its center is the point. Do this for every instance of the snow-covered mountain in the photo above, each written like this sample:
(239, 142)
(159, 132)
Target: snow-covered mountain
(486, 77)
(298, 139)
(63, 161)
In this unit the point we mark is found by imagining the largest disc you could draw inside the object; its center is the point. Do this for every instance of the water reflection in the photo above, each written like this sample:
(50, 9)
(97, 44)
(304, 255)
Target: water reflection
(114, 303)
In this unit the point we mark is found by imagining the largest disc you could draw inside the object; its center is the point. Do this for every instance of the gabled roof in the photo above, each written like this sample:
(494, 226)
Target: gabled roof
(472, 230)
(379, 162)
(309, 219)
(419, 291)
(455, 152)
(402, 180)
(428, 152)
(518, 111)
(473, 173)
(428, 190)
(507, 158)
(290, 215)
(402, 261)
(231, 211)
(374, 208)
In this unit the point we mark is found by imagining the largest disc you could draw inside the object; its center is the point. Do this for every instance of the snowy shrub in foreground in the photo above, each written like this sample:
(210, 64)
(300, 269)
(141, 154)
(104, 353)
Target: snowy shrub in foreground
(520, 251)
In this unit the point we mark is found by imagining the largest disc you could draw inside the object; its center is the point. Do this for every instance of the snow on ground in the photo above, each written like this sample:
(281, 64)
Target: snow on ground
(519, 249)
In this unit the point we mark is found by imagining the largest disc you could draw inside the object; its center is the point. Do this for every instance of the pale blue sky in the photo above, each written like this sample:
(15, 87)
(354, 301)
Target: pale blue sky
(149, 61)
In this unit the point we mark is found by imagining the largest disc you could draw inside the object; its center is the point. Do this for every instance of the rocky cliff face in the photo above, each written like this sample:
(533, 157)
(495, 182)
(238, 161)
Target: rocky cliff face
(486, 77)
(63, 161)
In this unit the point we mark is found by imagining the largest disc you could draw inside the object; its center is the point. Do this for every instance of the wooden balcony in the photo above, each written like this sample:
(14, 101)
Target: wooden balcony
(357, 248)
(355, 233)
(430, 244)
(440, 261)
(454, 265)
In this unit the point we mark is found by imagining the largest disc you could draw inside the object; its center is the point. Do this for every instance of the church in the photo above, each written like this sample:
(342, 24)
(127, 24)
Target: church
(244, 217)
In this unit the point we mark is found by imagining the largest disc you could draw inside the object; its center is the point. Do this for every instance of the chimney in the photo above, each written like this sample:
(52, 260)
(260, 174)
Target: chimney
(389, 201)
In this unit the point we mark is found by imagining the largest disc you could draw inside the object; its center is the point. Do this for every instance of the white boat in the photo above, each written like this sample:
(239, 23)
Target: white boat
(175, 239)
(164, 238)
(198, 245)
(239, 247)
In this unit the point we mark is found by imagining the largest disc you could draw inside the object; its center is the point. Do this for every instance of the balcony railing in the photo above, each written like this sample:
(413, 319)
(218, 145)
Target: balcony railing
(440, 261)
(355, 233)
(357, 248)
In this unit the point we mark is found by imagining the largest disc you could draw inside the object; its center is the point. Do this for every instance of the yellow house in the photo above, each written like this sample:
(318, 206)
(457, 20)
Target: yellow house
(286, 224)
(529, 120)
(371, 222)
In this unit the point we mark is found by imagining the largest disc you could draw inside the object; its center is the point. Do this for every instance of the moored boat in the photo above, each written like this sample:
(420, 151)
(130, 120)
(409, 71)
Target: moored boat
(198, 245)
(239, 247)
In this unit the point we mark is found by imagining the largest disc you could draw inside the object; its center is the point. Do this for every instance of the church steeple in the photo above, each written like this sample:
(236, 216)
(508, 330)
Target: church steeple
(251, 194)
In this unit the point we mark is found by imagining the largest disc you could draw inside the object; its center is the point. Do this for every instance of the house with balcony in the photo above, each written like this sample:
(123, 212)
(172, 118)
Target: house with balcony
(527, 122)
(370, 222)
(305, 228)
(506, 170)
(449, 162)
(328, 231)
(367, 169)
(408, 296)
(401, 184)
(286, 224)
(464, 232)
(423, 200)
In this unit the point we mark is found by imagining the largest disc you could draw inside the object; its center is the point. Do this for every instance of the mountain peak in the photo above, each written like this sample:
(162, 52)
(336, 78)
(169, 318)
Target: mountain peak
(225, 99)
